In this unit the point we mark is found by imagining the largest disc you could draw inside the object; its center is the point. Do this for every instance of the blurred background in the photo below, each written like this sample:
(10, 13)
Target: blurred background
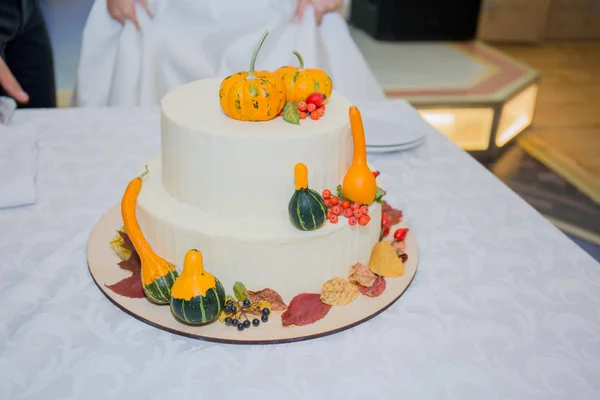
(513, 82)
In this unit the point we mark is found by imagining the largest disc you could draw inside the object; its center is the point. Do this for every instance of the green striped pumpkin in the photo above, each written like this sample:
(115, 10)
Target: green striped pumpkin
(197, 297)
(159, 291)
(307, 208)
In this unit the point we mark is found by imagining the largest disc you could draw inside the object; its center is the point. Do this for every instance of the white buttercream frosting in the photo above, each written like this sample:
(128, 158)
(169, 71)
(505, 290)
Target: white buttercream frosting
(238, 168)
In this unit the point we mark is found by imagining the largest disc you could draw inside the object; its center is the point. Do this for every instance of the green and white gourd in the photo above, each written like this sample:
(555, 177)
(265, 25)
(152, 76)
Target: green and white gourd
(197, 297)
(307, 208)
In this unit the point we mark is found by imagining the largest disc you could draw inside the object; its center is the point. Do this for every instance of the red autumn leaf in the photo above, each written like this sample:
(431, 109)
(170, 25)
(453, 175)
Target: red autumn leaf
(269, 295)
(393, 214)
(375, 290)
(131, 286)
(305, 309)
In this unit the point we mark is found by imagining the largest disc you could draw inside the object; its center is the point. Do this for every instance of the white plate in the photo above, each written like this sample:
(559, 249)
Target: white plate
(391, 149)
(392, 123)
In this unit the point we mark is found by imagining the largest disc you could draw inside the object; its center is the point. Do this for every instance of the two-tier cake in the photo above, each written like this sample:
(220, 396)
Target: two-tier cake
(262, 186)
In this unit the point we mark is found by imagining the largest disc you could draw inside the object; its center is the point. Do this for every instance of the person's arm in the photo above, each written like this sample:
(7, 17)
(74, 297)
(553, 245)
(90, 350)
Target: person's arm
(321, 7)
(123, 10)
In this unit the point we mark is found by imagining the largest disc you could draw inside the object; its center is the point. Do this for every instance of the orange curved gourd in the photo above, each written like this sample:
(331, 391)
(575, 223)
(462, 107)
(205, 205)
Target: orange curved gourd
(158, 275)
(359, 183)
(300, 82)
(252, 95)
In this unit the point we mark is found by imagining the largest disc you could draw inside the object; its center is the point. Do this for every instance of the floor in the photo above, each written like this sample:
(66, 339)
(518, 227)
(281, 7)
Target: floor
(565, 135)
(566, 130)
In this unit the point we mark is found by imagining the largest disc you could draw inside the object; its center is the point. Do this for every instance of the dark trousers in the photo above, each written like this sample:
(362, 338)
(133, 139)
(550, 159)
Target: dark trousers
(25, 47)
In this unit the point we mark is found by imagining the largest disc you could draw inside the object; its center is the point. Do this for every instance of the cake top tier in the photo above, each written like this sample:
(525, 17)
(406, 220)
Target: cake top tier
(195, 106)
(246, 169)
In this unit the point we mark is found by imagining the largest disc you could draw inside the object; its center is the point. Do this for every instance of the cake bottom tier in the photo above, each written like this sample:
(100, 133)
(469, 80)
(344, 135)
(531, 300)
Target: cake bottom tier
(261, 254)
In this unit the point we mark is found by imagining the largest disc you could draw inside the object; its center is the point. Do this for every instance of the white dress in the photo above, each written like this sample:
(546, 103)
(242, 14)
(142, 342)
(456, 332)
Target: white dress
(195, 39)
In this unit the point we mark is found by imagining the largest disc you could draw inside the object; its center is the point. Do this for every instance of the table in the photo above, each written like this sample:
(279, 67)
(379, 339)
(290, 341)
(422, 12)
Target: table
(504, 306)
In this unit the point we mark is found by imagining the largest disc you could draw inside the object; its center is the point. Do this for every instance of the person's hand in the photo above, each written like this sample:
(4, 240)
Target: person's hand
(123, 10)
(321, 7)
(9, 83)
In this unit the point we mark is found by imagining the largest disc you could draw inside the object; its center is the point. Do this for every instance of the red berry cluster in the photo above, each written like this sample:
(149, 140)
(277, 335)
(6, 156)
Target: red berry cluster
(309, 109)
(313, 106)
(356, 213)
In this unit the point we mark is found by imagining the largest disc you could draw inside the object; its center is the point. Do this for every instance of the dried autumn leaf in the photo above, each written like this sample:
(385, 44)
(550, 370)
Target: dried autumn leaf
(375, 290)
(269, 295)
(305, 309)
(338, 292)
(261, 304)
(360, 274)
(223, 315)
(385, 262)
(121, 244)
(394, 215)
(131, 286)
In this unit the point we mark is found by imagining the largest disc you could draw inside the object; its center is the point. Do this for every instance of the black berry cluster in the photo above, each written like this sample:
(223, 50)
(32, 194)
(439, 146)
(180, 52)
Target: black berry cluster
(239, 314)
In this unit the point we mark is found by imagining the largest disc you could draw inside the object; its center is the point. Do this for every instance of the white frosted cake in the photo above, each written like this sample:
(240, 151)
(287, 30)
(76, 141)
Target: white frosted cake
(222, 186)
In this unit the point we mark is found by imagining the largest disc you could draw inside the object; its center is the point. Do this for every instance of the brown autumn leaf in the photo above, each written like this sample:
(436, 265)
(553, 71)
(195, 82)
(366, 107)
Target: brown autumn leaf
(394, 215)
(131, 286)
(385, 262)
(338, 292)
(375, 290)
(360, 274)
(277, 303)
(305, 309)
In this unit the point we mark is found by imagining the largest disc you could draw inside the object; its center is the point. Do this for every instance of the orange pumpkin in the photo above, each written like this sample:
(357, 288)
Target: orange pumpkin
(300, 82)
(359, 182)
(252, 95)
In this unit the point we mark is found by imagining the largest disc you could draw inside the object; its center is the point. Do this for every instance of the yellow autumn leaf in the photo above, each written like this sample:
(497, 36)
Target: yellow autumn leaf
(360, 274)
(117, 244)
(223, 315)
(260, 304)
(338, 292)
(385, 262)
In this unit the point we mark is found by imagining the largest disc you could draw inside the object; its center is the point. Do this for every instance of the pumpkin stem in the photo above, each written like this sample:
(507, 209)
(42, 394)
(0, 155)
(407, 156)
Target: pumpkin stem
(358, 136)
(255, 54)
(300, 60)
(301, 176)
(143, 174)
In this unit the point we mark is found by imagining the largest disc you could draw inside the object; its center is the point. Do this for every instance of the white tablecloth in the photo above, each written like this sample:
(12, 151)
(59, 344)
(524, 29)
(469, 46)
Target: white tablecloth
(503, 306)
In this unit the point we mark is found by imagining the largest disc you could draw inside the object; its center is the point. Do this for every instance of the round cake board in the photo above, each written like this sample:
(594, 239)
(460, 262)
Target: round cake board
(103, 266)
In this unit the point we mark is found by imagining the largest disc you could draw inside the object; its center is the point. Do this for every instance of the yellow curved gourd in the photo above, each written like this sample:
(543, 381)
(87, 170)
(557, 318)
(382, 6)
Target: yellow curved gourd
(300, 82)
(252, 95)
(157, 274)
(359, 183)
